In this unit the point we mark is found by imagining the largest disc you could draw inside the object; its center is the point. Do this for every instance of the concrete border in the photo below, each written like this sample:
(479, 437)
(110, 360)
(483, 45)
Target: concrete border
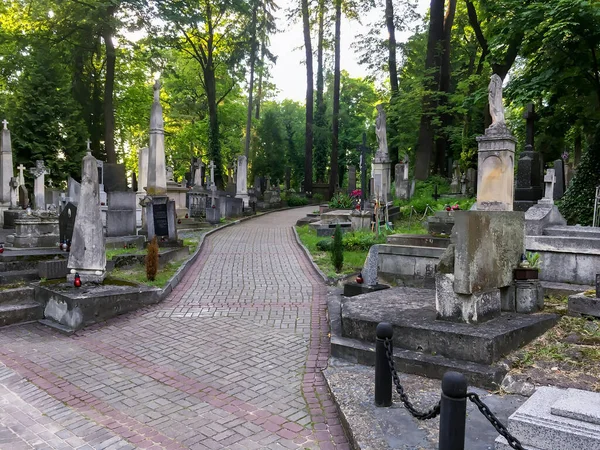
(326, 279)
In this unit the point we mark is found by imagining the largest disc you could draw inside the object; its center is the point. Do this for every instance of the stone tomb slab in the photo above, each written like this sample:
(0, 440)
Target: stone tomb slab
(579, 405)
(412, 314)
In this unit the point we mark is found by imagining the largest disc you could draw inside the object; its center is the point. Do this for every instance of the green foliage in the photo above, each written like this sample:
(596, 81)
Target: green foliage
(325, 245)
(341, 201)
(337, 250)
(296, 200)
(577, 205)
(362, 240)
(533, 258)
(318, 197)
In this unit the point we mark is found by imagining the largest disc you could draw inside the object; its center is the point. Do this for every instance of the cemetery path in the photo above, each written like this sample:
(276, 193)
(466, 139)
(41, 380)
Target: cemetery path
(232, 359)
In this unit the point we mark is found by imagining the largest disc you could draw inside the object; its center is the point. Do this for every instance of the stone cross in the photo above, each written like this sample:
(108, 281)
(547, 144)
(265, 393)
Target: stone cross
(530, 117)
(363, 171)
(549, 181)
(39, 192)
(5, 123)
(14, 193)
(212, 166)
(21, 168)
(89, 145)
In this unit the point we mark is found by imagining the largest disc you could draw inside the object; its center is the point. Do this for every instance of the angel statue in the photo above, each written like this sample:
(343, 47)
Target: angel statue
(495, 100)
(380, 130)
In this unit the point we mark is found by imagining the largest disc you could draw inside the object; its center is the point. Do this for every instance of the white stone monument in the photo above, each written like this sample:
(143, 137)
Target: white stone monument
(212, 166)
(6, 164)
(39, 188)
(157, 170)
(142, 170)
(381, 166)
(87, 256)
(242, 180)
(21, 179)
(496, 173)
(14, 193)
(549, 182)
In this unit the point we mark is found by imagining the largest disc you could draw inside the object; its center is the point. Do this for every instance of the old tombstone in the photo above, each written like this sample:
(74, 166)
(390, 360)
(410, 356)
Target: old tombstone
(66, 222)
(242, 180)
(213, 212)
(121, 214)
(351, 179)
(142, 170)
(549, 187)
(212, 167)
(560, 186)
(455, 184)
(157, 171)
(402, 182)
(363, 172)
(496, 157)
(381, 165)
(14, 193)
(73, 190)
(87, 256)
(100, 165)
(39, 189)
(6, 164)
(258, 185)
(115, 178)
(161, 219)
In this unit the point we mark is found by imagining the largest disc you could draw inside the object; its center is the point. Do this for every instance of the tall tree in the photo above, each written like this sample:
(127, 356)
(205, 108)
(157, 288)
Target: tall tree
(333, 179)
(108, 33)
(253, 45)
(266, 27)
(321, 126)
(308, 145)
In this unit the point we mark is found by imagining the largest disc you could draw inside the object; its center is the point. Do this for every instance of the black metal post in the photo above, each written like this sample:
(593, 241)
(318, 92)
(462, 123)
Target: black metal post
(453, 412)
(383, 375)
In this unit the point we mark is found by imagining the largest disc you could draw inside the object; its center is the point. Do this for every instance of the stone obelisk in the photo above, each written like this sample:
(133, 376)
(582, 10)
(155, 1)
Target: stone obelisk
(88, 256)
(6, 164)
(242, 183)
(157, 167)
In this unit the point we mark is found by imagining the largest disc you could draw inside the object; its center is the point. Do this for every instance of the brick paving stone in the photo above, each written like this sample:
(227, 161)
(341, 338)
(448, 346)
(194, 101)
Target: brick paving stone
(231, 359)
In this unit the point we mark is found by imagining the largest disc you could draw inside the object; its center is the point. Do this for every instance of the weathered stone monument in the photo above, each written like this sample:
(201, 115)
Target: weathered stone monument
(66, 222)
(141, 185)
(87, 257)
(381, 166)
(560, 186)
(242, 180)
(496, 157)
(528, 189)
(121, 214)
(6, 165)
(157, 170)
(402, 182)
(545, 213)
(477, 271)
(39, 189)
(351, 179)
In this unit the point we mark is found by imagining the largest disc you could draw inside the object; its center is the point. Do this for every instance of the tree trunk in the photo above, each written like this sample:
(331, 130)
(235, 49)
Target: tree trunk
(432, 67)
(441, 142)
(260, 80)
(394, 85)
(309, 100)
(214, 146)
(333, 179)
(320, 137)
(109, 85)
(251, 87)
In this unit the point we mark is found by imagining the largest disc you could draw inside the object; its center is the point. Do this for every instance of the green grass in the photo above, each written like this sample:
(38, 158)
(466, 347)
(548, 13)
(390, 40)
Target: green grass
(353, 259)
(192, 244)
(111, 252)
(138, 274)
(406, 226)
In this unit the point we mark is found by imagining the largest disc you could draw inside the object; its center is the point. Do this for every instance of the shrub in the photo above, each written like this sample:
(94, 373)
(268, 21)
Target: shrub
(296, 200)
(318, 197)
(362, 240)
(152, 260)
(325, 245)
(337, 250)
(577, 205)
(341, 201)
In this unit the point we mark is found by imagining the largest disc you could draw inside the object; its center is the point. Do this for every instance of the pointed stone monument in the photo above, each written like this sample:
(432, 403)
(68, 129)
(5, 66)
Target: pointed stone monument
(142, 170)
(6, 164)
(157, 167)
(242, 180)
(87, 256)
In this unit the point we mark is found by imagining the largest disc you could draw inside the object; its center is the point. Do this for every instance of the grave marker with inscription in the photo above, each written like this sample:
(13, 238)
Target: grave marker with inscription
(66, 222)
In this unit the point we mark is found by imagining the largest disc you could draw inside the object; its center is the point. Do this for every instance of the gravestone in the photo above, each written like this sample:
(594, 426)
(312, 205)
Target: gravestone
(87, 256)
(161, 219)
(549, 187)
(142, 170)
(73, 190)
(39, 189)
(213, 211)
(157, 170)
(121, 214)
(381, 165)
(455, 184)
(23, 197)
(6, 164)
(559, 171)
(13, 212)
(363, 172)
(528, 189)
(66, 222)
(351, 179)
(115, 178)
(242, 180)
(402, 181)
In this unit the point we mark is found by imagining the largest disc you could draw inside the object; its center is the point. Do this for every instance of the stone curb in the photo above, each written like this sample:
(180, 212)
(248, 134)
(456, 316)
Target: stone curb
(178, 276)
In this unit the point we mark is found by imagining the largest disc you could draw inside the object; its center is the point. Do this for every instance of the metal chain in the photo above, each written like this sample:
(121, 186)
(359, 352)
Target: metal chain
(433, 412)
(500, 428)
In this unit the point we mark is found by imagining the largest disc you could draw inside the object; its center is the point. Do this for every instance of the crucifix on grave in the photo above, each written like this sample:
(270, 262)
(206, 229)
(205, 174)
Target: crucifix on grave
(212, 166)
(21, 169)
(549, 182)
(213, 214)
(363, 171)
(5, 123)
(39, 194)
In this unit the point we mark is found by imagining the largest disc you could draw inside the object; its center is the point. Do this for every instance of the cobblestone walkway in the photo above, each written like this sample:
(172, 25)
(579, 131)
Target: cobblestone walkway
(232, 359)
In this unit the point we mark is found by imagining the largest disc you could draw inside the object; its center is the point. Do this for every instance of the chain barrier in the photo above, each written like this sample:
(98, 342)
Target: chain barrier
(433, 412)
(500, 428)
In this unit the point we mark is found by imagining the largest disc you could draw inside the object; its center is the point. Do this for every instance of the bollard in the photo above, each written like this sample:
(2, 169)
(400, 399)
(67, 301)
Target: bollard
(453, 412)
(383, 376)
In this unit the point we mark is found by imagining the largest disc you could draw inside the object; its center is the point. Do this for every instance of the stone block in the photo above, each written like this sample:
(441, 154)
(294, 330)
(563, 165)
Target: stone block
(120, 223)
(369, 270)
(489, 245)
(125, 200)
(52, 270)
(542, 216)
(507, 299)
(552, 419)
(353, 289)
(213, 215)
(496, 172)
(470, 308)
(361, 220)
(115, 178)
(529, 296)
(582, 305)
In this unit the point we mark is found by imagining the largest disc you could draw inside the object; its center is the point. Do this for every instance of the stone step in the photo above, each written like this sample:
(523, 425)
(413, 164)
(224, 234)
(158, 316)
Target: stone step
(573, 231)
(23, 312)
(551, 419)
(563, 244)
(17, 295)
(11, 266)
(16, 276)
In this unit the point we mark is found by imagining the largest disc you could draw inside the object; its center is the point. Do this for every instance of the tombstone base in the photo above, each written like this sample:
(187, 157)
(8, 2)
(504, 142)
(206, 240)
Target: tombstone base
(245, 198)
(10, 216)
(213, 216)
(541, 216)
(35, 231)
(87, 276)
(352, 288)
